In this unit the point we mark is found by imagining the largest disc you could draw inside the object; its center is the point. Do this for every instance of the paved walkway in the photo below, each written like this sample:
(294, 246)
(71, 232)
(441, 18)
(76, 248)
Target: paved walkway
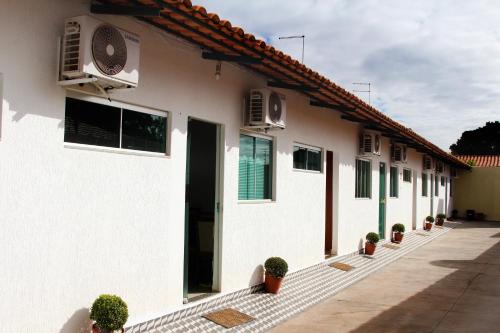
(300, 291)
(449, 285)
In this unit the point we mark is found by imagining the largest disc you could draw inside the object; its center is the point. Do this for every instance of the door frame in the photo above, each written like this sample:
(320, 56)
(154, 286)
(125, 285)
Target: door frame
(218, 209)
(382, 202)
(328, 203)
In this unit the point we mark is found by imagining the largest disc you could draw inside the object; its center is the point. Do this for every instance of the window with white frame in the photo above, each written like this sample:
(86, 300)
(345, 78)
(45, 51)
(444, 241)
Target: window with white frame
(363, 181)
(306, 157)
(255, 168)
(393, 182)
(102, 125)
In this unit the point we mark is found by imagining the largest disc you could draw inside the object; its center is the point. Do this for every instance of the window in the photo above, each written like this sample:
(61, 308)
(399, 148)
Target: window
(393, 182)
(451, 187)
(306, 158)
(363, 179)
(424, 184)
(255, 168)
(407, 175)
(436, 183)
(108, 126)
(442, 180)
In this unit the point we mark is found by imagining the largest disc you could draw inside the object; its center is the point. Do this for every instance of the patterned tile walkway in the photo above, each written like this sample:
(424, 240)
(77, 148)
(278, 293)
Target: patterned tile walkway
(300, 290)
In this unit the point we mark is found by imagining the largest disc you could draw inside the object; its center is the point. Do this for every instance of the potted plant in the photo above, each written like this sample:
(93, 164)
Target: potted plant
(397, 231)
(276, 269)
(372, 239)
(110, 314)
(440, 219)
(429, 220)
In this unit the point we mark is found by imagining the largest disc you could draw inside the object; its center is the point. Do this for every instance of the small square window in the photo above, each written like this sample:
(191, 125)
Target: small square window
(407, 175)
(306, 158)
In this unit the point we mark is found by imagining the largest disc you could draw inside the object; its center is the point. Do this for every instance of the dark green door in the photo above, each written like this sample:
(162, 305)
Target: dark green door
(381, 205)
(432, 195)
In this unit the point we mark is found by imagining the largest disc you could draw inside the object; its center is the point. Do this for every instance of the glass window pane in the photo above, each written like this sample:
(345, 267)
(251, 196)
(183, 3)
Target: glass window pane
(299, 157)
(143, 131)
(246, 182)
(91, 123)
(263, 168)
(313, 160)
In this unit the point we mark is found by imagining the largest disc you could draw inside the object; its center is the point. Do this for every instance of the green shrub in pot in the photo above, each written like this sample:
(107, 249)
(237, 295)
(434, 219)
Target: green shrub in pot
(109, 312)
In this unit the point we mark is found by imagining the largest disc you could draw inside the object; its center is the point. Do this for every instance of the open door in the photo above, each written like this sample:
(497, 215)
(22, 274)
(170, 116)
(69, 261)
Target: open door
(202, 210)
(381, 201)
(329, 204)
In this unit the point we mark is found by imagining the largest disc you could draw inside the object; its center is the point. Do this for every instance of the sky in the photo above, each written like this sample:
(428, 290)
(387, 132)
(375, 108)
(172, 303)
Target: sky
(433, 65)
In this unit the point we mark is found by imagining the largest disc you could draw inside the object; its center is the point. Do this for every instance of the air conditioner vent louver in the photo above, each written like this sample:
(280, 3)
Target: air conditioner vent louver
(256, 106)
(71, 47)
(109, 50)
(368, 143)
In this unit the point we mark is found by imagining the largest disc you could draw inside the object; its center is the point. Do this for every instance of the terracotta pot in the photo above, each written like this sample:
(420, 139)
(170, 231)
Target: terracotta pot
(370, 248)
(398, 237)
(97, 329)
(272, 283)
(428, 226)
(439, 221)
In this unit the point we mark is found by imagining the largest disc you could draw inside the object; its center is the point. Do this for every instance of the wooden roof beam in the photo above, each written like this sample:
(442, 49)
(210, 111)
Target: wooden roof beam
(242, 59)
(284, 85)
(112, 9)
(337, 107)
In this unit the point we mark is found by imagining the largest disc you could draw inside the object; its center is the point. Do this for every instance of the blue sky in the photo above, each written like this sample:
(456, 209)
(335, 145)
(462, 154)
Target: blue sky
(434, 65)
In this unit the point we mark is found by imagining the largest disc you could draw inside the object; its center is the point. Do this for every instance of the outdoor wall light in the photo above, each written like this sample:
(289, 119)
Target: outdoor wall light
(218, 67)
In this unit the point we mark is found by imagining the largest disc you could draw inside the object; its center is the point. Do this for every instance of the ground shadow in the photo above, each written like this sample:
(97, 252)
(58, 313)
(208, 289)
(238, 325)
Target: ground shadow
(79, 322)
(464, 294)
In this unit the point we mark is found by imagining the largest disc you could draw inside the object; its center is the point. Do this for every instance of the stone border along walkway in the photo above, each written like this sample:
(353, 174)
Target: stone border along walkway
(301, 289)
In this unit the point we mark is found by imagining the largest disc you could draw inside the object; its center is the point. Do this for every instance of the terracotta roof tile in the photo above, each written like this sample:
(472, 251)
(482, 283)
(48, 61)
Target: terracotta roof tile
(193, 23)
(481, 160)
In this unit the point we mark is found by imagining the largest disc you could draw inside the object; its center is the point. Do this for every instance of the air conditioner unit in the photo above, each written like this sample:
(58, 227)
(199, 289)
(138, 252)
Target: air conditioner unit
(439, 167)
(369, 143)
(398, 153)
(99, 52)
(453, 173)
(427, 162)
(265, 109)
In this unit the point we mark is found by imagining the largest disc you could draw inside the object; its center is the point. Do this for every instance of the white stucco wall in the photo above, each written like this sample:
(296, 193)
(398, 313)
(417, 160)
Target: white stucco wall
(78, 223)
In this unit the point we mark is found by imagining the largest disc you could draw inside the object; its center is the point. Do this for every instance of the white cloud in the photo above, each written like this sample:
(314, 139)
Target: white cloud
(434, 65)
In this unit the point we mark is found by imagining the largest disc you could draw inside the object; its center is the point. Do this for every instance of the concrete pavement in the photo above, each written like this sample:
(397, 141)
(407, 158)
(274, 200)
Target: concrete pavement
(449, 285)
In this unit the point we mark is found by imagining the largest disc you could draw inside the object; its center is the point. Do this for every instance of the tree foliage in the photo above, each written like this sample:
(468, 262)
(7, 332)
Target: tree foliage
(481, 141)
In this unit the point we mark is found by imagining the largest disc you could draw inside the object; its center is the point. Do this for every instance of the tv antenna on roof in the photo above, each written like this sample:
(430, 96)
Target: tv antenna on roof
(369, 91)
(294, 37)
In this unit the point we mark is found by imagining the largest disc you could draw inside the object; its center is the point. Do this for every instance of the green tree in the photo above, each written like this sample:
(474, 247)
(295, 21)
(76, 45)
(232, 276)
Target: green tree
(481, 141)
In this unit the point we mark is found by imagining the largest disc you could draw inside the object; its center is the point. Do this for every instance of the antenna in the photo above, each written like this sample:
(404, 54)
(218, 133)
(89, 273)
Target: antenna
(294, 37)
(369, 91)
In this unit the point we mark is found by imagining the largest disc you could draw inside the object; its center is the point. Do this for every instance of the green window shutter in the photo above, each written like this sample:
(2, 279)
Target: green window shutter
(246, 182)
(255, 168)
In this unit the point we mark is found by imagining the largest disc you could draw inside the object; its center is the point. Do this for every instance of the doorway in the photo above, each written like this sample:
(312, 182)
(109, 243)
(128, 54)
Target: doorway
(414, 201)
(381, 204)
(329, 204)
(202, 210)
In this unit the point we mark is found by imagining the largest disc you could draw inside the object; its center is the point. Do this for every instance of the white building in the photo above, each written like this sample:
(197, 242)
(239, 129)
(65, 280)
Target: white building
(93, 193)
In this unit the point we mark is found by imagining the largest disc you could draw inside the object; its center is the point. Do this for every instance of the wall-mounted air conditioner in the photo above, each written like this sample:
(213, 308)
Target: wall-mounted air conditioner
(427, 162)
(439, 167)
(265, 109)
(369, 143)
(398, 153)
(95, 51)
